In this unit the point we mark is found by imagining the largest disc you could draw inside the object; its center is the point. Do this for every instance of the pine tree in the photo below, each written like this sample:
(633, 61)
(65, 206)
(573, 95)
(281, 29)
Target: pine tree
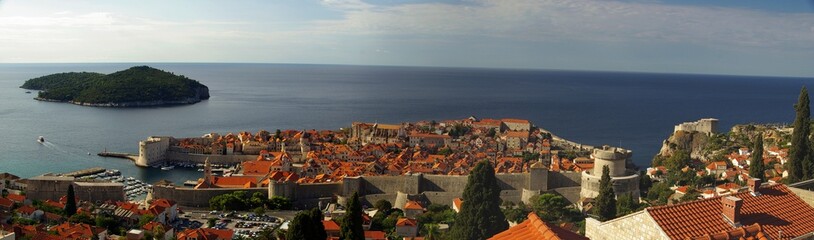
(351, 226)
(70, 205)
(756, 167)
(480, 216)
(605, 206)
(799, 152)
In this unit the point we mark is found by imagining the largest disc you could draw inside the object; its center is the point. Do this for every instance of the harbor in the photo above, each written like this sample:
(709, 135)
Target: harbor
(134, 188)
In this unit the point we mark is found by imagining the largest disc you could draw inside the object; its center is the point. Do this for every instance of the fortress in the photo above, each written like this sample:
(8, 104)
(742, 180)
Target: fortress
(705, 125)
(441, 189)
(624, 181)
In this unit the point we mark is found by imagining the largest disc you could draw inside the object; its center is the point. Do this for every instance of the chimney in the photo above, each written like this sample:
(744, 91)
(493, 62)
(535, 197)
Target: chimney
(732, 209)
(754, 186)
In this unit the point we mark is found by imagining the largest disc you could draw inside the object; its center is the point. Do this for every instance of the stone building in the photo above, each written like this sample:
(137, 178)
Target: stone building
(624, 181)
(423, 139)
(152, 150)
(705, 125)
(376, 133)
(54, 187)
(98, 192)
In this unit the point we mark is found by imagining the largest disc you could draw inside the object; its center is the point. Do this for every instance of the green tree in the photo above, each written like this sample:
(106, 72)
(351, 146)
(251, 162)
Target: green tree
(677, 161)
(298, 228)
(70, 205)
(81, 218)
(550, 207)
(351, 224)
(799, 151)
(626, 204)
(159, 232)
(107, 222)
(279, 203)
(605, 206)
(317, 227)
(145, 219)
(756, 167)
(480, 216)
(430, 231)
(383, 205)
(259, 211)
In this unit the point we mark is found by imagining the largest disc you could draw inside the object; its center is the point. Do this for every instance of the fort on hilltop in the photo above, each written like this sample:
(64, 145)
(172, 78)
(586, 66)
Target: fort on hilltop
(705, 125)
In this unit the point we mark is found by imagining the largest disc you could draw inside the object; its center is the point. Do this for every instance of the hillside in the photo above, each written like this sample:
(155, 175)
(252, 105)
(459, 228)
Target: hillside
(134, 87)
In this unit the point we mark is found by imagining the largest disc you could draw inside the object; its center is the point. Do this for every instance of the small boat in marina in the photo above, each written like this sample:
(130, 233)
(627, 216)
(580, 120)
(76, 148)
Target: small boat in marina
(165, 168)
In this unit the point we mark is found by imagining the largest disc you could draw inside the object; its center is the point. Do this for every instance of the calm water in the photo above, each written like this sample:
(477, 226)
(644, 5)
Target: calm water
(632, 109)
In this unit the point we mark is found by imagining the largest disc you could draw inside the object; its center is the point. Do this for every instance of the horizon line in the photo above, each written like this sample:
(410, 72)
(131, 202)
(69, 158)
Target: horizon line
(426, 66)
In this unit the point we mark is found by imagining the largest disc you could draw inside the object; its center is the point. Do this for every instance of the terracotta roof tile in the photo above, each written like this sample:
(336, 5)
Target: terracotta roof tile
(535, 228)
(776, 209)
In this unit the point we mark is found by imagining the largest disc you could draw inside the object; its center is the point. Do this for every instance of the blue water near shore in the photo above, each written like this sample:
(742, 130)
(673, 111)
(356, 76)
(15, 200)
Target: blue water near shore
(634, 110)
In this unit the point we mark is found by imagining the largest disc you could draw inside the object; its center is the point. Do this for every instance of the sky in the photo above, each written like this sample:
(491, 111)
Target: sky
(733, 37)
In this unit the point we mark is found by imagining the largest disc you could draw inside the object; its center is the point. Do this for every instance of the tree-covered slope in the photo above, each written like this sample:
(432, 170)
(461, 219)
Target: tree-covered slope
(137, 84)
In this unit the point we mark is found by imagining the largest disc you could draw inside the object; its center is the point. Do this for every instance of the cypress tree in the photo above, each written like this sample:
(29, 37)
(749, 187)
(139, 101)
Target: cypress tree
(605, 206)
(351, 226)
(317, 229)
(480, 216)
(70, 205)
(799, 151)
(756, 167)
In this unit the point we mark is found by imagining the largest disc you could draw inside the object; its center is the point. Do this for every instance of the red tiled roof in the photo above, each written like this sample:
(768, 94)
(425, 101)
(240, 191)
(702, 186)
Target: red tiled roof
(752, 232)
(374, 235)
(512, 120)
(406, 222)
(457, 203)
(535, 228)
(776, 209)
(206, 234)
(330, 225)
(5, 202)
(16, 198)
(413, 205)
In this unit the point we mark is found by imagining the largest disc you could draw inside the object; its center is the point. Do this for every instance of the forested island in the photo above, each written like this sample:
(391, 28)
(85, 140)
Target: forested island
(140, 86)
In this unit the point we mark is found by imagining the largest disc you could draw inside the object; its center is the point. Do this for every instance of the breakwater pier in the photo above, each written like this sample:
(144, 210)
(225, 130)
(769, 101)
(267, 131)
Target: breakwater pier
(84, 172)
(129, 156)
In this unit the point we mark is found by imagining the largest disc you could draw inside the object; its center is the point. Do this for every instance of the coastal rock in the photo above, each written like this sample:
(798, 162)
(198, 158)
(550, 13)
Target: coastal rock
(693, 142)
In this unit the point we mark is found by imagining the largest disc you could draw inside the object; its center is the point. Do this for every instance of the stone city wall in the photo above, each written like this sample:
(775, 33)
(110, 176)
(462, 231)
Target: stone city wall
(564, 179)
(434, 188)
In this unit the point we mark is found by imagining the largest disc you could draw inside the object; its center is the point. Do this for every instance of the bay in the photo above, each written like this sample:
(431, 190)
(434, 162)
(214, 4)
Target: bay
(634, 110)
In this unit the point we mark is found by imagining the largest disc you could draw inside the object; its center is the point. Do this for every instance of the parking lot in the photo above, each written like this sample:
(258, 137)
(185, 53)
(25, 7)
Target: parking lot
(246, 224)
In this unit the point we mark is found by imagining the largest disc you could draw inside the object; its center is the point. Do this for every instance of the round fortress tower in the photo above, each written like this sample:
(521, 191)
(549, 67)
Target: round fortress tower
(624, 181)
(614, 158)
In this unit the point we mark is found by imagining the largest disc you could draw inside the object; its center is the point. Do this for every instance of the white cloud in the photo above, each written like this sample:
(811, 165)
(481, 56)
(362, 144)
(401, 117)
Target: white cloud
(541, 20)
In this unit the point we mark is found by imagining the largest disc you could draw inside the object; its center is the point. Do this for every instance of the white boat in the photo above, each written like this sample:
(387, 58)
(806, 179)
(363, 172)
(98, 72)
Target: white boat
(41, 139)
(167, 167)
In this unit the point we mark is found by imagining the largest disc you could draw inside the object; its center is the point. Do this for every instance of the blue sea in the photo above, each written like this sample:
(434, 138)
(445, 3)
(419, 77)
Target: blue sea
(634, 110)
